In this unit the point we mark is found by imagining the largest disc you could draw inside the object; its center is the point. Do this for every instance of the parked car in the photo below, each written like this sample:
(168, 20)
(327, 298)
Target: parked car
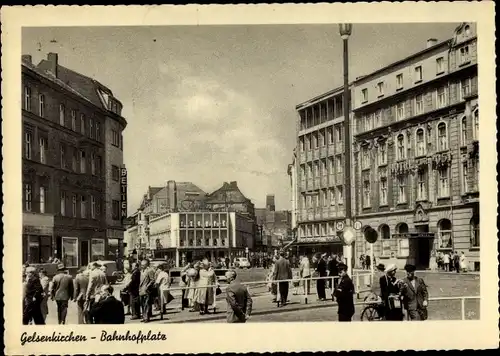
(241, 262)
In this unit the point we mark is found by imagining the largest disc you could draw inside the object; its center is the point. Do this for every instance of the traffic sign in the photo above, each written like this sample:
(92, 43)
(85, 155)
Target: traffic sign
(371, 235)
(340, 226)
(358, 225)
(349, 235)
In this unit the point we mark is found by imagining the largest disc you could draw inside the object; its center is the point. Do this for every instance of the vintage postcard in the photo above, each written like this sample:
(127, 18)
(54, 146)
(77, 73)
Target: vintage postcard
(308, 171)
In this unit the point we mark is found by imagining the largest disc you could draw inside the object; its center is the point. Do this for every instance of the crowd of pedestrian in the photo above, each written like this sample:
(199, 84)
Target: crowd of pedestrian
(89, 290)
(451, 261)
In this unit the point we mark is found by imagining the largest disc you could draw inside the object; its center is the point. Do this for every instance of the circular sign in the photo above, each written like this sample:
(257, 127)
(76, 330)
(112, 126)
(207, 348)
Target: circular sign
(340, 225)
(371, 235)
(358, 225)
(349, 235)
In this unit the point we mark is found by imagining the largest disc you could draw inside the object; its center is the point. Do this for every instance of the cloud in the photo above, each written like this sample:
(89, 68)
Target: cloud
(207, 133)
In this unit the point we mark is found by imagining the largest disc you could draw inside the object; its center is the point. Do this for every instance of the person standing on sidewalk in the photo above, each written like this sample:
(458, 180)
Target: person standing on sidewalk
(446, 262)
(456, 262)
(62, 292)
(321, 269)
(132, 288)
(344, 293)
(305, 272)
(81, 284)
(283, 271)
(44, 281)
(146, 286)
(415, 295)
(239, 301)
(33, 295)
(97, 279)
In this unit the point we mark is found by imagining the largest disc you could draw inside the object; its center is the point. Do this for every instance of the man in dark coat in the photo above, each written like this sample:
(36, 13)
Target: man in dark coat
(344, 294)
(133, 290)
(282, 270)
(321, 268)
(33, 295)
(146, 286)
(107, 309)
(239, 301)
(415, 295)
(62, 292)
(333, 271)
(390, 291)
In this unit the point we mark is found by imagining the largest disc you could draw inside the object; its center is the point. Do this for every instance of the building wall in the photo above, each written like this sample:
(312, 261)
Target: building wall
(436, 168)
(59, 173)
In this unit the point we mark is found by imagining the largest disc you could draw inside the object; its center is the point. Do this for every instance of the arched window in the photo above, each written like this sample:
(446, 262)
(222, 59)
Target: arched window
(420, 137)
(402, 228)
(442, 137)
(385, 232)
(445, 234)
(474, 232)
(464, 131)
(475, 124)
(401, 153)
(385, 235)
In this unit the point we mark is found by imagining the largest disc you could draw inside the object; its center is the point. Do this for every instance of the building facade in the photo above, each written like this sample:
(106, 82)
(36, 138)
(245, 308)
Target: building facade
(416, 162)
(319, 171)
(63, 170)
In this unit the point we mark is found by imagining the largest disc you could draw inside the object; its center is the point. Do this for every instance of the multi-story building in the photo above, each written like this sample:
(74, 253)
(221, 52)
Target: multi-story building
(319, 165)
(106, 126)
(416, 163)
(182, 222)
(63, 169)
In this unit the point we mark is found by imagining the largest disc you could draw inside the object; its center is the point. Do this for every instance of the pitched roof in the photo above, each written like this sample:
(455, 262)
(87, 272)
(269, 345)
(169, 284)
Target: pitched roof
(229, 192)
(86, 86)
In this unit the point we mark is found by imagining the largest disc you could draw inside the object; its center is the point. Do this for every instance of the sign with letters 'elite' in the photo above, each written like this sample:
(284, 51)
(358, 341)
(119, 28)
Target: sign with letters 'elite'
(123, 191)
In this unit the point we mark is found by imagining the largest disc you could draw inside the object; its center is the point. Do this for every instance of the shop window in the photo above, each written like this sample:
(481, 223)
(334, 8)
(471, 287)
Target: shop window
(70, 252)
(445, 234)
(97, 249)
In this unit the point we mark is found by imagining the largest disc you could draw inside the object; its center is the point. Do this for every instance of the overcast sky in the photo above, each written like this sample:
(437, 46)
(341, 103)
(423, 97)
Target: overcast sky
(209, 104)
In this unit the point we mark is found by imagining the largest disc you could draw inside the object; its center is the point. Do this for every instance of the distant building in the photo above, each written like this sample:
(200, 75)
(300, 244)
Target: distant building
(416, 147)
(273, 227)
(181, 221)
(65, 164)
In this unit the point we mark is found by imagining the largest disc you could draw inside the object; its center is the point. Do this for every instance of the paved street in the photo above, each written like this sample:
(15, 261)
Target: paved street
(440, 285)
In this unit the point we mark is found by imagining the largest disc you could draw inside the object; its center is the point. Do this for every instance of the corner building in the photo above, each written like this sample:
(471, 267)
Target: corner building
(416, 162)
(320, 183)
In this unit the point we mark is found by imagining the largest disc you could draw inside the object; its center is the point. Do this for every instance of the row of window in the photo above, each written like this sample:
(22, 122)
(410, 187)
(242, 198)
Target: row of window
(69, 157)
(322, 198)
(71, 205)
(440, 68)
(417, 106)
(77, 125)
(421, 184)
(322, 112)
(322, 137)
(322, 167)
(317, 230)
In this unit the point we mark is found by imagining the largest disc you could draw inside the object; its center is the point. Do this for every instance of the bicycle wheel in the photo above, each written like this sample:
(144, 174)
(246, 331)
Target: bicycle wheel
(370, 313)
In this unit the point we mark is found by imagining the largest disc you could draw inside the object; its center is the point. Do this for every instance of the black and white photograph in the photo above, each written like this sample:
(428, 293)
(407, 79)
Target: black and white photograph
(252, 174)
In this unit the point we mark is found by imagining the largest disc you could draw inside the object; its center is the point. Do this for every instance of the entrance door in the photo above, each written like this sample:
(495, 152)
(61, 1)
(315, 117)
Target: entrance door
(424, 245)
(84, 253)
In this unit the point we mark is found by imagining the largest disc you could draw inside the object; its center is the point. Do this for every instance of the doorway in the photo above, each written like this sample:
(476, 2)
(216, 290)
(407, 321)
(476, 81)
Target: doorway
(84, 253)
(423, 248)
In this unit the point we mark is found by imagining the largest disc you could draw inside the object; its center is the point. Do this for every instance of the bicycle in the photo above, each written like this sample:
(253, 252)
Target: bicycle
(372, 310)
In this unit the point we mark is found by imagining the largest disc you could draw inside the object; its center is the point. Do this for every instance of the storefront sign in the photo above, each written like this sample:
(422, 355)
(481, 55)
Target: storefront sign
(421, 235)
(123, 191)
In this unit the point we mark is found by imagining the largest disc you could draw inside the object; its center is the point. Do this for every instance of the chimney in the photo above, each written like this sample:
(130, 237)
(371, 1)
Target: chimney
(27, 58)
(53, 59)
(270, 204)
(431, 42)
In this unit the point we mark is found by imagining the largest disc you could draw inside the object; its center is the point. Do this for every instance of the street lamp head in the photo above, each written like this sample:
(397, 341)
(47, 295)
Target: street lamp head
(345, 30)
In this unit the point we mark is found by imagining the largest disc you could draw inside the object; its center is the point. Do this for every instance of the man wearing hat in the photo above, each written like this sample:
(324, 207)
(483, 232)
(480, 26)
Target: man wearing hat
(33, 295)
(62, 291)
(344, 294)
(415, 295)
(321, 269)
(390, 291)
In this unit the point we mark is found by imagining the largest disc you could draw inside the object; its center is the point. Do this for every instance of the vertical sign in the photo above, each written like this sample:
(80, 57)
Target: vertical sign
(123, 191)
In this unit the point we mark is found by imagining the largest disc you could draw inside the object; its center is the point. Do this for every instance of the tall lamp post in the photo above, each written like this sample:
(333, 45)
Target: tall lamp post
(345, 31)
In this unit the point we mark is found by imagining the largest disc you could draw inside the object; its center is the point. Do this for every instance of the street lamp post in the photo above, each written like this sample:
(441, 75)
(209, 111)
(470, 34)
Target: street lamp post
(345, 31)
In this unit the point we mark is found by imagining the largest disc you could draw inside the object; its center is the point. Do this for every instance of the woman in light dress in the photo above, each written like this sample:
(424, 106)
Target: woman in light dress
(162, 283)
(463, 262)
(193, 280)
(204, 295)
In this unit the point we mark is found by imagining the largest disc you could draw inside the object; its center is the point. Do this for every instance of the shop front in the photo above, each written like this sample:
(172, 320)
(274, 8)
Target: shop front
(38, 231)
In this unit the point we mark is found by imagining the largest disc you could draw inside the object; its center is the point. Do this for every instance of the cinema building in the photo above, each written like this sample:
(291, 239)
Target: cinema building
(416, 154)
